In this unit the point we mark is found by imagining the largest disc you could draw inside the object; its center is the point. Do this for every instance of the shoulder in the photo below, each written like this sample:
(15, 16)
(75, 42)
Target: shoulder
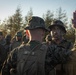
(67, 41)
(22, 46)
(44, 45)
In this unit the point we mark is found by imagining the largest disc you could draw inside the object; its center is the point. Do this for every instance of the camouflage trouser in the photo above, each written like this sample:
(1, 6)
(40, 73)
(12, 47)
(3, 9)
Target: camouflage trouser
(53, 72)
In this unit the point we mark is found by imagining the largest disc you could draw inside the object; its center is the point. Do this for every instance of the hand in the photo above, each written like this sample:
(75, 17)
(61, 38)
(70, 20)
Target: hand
(74, 19)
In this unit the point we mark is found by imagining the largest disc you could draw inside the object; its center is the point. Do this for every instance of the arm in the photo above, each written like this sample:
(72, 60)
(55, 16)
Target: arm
(9, 63)
(56, 55)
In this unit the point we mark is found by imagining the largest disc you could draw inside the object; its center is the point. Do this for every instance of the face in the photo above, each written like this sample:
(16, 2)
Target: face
(56, 33)
(18, 38)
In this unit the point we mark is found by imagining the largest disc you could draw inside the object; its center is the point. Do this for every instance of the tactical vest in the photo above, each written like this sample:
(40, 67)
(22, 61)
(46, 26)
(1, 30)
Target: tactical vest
(31, 62)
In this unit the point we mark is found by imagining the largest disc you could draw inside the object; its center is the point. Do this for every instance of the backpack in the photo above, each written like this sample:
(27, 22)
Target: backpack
(31, 62)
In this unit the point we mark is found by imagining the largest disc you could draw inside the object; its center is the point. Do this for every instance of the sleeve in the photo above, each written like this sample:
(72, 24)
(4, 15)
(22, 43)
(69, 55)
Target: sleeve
(10, 63)
(70, 45)
(2, 54)
(56, 55)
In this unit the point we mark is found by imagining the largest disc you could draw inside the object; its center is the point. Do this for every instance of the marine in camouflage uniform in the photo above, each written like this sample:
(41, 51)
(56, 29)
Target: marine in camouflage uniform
(8, 43)
(2, 49)
(2, 56)
(35, 58)
(18, 40)
(57, 32)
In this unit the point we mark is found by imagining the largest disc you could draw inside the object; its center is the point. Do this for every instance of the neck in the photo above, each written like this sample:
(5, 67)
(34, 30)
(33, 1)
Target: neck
(36, 38)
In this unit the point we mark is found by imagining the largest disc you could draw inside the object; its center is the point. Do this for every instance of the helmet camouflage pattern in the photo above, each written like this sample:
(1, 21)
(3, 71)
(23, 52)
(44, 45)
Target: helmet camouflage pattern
(59, 24)
(36, 22)
(19, 34)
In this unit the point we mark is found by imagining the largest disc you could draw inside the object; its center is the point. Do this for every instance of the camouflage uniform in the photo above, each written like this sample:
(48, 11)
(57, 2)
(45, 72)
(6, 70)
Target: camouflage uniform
(70, 66)
(2, 55)
(17, 42)
(8, 42)
(60, 70)
(34, 58)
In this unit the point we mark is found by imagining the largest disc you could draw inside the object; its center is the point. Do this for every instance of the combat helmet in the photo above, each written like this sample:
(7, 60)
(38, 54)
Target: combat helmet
(36, 22)
(19, 34)
(58, 23)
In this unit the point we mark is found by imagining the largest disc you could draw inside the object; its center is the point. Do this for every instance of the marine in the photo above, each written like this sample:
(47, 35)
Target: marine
(35, 57)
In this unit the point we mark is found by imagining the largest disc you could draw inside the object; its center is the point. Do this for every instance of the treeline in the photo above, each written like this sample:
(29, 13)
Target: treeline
(16, 22)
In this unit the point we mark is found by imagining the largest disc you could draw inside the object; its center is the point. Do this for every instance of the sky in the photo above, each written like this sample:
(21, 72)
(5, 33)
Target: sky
(8, 7)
